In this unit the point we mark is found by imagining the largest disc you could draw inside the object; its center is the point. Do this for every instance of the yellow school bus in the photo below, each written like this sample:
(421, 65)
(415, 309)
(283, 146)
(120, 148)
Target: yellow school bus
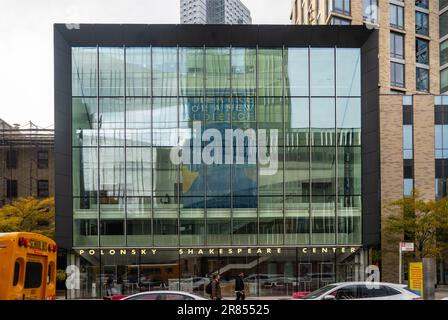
(27, 266)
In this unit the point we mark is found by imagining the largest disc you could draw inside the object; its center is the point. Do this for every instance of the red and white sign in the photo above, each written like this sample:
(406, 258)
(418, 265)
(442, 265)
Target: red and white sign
(406, 246)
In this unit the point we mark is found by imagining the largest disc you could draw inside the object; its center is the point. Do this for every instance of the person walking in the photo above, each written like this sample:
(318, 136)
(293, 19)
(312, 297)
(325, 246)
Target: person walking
(109, 285)
(239, 287)
(216, 288)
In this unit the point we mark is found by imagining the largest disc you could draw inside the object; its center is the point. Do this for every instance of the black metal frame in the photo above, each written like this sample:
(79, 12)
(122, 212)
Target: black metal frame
(139, 35)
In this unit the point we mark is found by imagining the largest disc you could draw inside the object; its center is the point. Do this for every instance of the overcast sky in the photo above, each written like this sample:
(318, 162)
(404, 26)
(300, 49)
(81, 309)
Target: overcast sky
(26, 35)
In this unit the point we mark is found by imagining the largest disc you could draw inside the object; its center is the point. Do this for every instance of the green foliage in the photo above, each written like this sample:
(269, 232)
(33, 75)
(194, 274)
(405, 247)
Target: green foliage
(61, 275)
(28, 215)
(422, 221)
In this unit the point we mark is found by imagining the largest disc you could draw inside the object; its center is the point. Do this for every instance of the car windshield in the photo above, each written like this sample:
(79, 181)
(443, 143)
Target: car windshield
(319, 292)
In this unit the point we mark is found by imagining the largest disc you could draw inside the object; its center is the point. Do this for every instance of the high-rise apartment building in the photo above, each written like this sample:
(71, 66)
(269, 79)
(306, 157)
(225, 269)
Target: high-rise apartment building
(409, 37)
(413, 71)
(443, 23)
(214, 12)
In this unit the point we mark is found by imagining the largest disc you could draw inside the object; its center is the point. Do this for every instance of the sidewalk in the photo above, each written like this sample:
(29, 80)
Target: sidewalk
(441, 293)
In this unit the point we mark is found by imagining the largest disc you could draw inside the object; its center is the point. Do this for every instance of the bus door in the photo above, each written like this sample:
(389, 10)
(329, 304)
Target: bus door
(35, 277)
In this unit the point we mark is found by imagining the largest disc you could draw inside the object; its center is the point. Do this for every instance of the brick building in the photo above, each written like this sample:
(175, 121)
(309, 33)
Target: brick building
(26, 162)
(413, 55)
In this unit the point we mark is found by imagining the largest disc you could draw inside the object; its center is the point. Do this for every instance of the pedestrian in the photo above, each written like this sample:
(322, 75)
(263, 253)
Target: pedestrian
(216, 288)
(239, 287)
(109, 285)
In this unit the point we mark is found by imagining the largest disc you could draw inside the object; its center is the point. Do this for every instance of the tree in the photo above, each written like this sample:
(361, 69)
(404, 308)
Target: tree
(29, 215)
(423, 222)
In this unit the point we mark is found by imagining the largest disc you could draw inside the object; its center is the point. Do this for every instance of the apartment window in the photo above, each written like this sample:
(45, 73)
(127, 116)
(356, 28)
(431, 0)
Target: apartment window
(396, 45)
(407, 142)
(11, 159)
(443, 4)
(42, 188)
(422, 79)
(443, 22)
(42, 159)
(408, 187)
(341, 6)
(441, 145)
(444, 53)
(422, 4)
(421, 23)
(444, 81)
(422, 51)
(397, 74)
(341, 22)
(396, 16)
(408, 146)
(11, 188)
(370, 10)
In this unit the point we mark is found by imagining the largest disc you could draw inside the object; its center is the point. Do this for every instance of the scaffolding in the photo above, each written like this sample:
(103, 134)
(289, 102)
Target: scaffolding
(25, 135)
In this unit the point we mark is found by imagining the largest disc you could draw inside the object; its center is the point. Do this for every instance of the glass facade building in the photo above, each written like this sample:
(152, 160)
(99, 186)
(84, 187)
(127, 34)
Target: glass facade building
(135, 108)
(132, 106)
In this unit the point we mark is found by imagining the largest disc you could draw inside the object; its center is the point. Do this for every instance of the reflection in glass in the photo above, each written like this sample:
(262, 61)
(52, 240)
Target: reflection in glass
(111, 74)
(111, 173)
(122, 170)
(165, 178)
(84, 122)
(138, 232)
(138, 122)
(349, 217)
(348, 70)
(138, 72)
(111, 122)
(348, 121)
(84, 72)
(323, 171)
(297, 230)
(323, 220)
(322, 72)
(191, 71)
(349, 171)
(245, 231)
(217, 71)
(244, 64)
(270, 72)
(296, 72)
(271, 229)
(85, 225)
(218, 230)
(111, 230)
(85, 172)
(164, 72)
(322, 121)
(192, 231)
(165, 231)
(138, 172)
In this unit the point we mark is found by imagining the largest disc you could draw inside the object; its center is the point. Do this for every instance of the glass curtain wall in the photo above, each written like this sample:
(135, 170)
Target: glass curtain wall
(133, 109)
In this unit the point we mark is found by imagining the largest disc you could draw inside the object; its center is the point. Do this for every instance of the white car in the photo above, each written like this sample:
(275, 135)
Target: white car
(163, 295)
(362, 291)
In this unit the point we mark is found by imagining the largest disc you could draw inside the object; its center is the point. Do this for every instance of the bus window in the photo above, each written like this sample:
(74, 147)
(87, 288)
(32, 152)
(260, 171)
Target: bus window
(33, 275)
(16, 273)
(50, 272)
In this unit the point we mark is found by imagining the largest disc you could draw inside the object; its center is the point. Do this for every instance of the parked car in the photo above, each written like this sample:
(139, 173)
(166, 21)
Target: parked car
(116, 297)
(300, 294)
(163, 295)
(362, 291)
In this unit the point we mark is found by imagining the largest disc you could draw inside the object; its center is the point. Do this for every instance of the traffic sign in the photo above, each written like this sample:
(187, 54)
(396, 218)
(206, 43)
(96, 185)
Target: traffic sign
(407, 246)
